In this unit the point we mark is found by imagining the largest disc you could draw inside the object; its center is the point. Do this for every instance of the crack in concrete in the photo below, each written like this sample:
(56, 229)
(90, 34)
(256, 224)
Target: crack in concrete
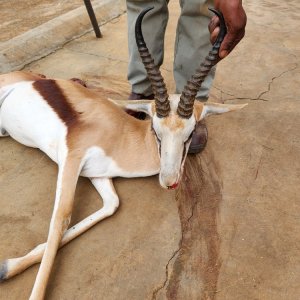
(258, 167)
(245, 98)
(222, 92)
(184, 230)
(259, 97)
(266, 147)
(274, 78)
(156, 291)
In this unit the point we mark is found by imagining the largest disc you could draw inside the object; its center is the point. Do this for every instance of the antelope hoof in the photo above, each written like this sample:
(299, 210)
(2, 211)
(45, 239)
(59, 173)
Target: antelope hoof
(3, 271)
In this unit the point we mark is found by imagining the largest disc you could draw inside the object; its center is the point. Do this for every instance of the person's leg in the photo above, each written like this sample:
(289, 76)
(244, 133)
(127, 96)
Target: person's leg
(192, 44)
(154, 26)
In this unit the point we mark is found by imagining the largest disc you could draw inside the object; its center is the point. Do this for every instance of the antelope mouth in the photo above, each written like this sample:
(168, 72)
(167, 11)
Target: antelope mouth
(173, 186)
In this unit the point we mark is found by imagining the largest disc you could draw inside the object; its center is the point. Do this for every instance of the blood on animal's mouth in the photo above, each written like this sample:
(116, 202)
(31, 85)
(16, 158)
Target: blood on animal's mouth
(173, 186)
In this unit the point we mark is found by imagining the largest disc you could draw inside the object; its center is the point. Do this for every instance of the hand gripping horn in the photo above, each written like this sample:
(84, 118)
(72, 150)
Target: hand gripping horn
(162, 103)
(187, 98)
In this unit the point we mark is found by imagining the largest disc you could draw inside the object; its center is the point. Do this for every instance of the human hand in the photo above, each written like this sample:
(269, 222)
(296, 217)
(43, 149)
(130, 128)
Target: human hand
(235, 19)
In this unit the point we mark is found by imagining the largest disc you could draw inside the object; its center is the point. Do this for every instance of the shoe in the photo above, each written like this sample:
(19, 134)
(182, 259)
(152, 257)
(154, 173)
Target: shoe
(135, 96)
(199, 138)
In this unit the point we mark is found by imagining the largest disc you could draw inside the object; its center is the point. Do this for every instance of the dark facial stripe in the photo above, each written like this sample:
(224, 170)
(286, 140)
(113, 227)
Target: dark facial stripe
(184, 152)
(185, 145)
(54, 96)
(157, 139)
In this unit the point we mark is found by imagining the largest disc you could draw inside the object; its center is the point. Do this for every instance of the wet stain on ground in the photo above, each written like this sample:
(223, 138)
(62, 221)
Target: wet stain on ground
(196, 268)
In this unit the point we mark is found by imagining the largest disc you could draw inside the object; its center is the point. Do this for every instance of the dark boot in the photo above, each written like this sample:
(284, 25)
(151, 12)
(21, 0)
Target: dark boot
(199, 138)
(137, 114)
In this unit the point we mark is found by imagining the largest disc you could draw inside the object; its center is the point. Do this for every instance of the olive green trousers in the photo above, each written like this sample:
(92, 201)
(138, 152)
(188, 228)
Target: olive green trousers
(192, 42)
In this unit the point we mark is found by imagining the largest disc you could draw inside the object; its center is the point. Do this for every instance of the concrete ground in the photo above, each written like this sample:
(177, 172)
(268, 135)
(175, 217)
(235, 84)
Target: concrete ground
(15, 22)
(231, 231)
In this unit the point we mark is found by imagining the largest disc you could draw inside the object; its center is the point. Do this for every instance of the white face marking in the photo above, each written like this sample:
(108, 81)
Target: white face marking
(173, 136)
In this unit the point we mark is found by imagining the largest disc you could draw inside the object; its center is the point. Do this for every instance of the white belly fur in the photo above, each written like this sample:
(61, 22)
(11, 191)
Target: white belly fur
(97, 164)
(31, 121)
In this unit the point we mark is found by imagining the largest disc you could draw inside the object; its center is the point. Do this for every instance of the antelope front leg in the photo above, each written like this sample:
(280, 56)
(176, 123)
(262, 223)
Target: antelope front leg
(105, 188)
(66, 183)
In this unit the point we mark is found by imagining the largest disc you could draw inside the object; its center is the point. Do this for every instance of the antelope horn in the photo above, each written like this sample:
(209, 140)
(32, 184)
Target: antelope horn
(187, 98)
(157, 82)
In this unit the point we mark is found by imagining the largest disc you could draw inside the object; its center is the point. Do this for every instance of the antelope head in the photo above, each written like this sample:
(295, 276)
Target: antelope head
(174, 117)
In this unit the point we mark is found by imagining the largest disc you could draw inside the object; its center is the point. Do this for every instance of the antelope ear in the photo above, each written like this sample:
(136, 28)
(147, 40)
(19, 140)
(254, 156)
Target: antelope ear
(217, 108)
(198, 108)
(146, 106)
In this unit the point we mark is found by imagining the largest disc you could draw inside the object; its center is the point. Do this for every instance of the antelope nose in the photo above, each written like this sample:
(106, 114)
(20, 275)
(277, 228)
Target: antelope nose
(173, 186)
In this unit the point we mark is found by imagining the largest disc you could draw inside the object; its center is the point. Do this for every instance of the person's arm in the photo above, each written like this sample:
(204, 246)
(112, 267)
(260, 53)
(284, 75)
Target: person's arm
(235, 18)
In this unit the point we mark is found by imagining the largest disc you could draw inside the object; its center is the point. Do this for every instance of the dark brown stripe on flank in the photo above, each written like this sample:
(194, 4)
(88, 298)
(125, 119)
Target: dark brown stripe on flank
(55, 97)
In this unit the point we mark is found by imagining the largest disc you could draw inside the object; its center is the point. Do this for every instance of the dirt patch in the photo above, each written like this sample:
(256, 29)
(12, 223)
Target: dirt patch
(15, 22)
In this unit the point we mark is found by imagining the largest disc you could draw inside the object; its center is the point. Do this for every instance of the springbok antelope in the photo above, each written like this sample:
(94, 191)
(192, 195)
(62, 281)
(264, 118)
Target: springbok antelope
(90, 136)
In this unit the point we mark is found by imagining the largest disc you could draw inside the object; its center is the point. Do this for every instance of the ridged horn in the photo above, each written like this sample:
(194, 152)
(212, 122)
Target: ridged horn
(188, 95)
(157, 82)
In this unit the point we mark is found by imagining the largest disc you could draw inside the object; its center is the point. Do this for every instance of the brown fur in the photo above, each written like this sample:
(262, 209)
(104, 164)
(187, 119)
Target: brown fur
(17, 76)
(54, 96)
(128, 141)
(198, 108)
(174, 123)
